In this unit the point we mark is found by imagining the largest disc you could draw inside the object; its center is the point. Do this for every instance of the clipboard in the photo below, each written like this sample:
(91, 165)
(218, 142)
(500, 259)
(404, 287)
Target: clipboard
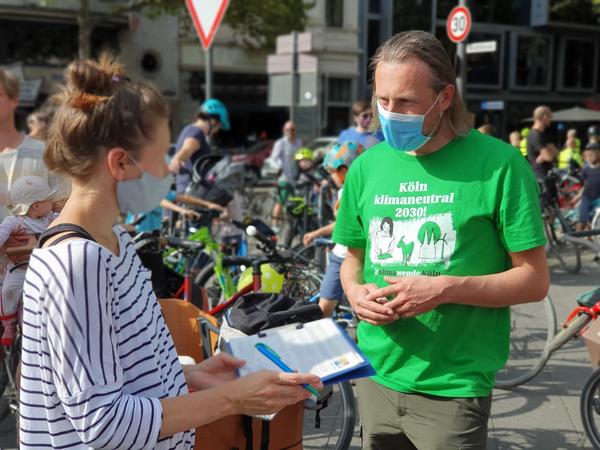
(320, 347)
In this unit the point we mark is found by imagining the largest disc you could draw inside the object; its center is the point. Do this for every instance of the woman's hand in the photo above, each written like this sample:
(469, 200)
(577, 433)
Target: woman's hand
(370, 307)
(212, 372)
(268, 392)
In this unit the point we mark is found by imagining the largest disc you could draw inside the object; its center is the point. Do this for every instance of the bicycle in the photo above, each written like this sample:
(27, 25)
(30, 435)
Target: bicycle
(556, 226)
(10, 357)
(335, 410)
(531, 348)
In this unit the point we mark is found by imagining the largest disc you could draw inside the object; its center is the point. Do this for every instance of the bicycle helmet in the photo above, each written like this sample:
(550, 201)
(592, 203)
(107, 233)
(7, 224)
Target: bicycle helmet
(342, 154)
(216, 108)
(593, 130)
(271, 280)
(304, 153)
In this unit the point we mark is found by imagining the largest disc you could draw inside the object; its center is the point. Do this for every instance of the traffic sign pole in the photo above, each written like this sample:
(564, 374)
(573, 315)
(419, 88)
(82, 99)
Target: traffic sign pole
(458, 27)
(208, 73)
(207, 16)
(461, 81)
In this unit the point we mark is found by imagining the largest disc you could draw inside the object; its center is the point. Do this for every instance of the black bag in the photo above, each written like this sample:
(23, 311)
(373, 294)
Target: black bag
(256, 312)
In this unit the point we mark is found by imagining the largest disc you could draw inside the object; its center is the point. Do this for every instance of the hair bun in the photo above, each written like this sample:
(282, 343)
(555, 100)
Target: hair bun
(95, 78)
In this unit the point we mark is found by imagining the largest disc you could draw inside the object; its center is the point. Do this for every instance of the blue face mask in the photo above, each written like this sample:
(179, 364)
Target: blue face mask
(142, 194)
(404, 132)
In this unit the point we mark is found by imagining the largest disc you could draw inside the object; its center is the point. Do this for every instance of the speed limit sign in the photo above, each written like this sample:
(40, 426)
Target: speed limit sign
(459, 24)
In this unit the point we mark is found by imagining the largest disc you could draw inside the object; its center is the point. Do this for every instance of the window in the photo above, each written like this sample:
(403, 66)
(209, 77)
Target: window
(375, 6)
(511, 12)
(485, 69)
(37, 43)
(532, 60)
(411, 16)
(577, 64)
(339, 90)
(338, 119)
(50, 44)
(334, 13)
(583, 12)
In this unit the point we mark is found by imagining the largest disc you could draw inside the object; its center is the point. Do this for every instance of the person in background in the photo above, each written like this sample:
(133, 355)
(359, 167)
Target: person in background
(589, 196)
(514, 139)
(282, 158)
(337, 162)
(192, 142)
(570, 157)
(488, 129)
(31, 205)
(523, 146)
(360, 132)
(540, 153)
(593, 134)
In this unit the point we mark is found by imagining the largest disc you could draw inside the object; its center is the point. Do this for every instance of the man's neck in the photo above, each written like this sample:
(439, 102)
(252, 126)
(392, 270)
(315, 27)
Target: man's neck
(10, 138)
(538, 126)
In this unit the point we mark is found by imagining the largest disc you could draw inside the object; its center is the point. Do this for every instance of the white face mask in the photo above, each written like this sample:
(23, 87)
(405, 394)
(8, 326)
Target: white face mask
(142, 194)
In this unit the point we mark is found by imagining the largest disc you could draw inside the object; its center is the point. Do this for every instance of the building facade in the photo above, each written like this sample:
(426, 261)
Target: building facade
(240, 77)
(39, 39)
(547, 52)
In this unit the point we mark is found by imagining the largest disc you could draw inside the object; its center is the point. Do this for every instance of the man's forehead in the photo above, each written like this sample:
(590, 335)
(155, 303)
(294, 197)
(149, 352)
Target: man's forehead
(402, 77)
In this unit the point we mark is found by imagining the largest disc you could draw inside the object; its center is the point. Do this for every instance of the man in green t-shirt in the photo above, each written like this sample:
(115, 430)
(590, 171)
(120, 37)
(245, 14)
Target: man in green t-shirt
(444, 233)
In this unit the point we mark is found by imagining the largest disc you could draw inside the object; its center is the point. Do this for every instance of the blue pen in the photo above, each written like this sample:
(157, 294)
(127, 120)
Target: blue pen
(275, 358)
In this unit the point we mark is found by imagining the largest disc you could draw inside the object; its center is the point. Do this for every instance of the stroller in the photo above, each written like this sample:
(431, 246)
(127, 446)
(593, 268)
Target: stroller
(216, 178)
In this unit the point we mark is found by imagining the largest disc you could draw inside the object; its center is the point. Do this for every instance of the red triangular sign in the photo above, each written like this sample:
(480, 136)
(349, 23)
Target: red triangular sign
(207, 16)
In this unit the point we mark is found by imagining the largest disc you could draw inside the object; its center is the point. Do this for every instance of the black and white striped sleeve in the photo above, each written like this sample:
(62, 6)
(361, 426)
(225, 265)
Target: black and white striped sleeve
(86, 367)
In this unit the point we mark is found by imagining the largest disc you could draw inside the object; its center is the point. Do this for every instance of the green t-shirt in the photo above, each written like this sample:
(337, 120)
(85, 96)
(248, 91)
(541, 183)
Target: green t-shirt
(457, 211)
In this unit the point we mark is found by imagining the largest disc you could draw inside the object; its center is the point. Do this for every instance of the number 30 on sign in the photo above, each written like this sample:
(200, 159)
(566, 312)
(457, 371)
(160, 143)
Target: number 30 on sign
(458, 24)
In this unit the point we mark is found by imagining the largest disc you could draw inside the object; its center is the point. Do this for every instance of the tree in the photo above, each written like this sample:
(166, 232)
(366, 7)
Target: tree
(257, 22)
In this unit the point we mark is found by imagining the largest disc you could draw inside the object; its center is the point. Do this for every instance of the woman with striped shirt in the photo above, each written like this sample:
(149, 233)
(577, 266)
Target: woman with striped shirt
(99, 368)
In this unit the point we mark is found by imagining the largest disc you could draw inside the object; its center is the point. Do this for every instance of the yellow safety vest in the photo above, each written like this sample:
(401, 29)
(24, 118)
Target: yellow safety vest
(568, 154)
(523, 147)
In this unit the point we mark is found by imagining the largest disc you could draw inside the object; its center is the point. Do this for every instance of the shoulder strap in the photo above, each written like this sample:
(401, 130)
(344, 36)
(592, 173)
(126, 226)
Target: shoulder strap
(71, 230)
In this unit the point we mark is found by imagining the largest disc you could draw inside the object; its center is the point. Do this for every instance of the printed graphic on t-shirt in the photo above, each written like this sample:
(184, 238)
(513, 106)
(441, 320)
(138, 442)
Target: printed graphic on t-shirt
(414, 236)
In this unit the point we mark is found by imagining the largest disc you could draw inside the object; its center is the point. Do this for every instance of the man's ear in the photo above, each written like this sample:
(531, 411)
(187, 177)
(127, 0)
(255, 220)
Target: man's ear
(447, 96)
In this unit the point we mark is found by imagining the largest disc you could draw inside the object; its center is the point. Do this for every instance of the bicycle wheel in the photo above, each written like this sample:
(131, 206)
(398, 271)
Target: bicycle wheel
(589, 407)
(10, 363)
(567, 253)
(338, 419)
(209, 281)
(531, 333)
(595, 224)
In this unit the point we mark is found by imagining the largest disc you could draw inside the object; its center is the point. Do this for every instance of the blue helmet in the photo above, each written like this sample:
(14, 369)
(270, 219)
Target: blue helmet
(217, 108)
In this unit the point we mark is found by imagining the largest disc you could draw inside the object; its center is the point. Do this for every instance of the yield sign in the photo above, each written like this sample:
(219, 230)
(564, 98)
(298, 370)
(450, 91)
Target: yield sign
(207, 16)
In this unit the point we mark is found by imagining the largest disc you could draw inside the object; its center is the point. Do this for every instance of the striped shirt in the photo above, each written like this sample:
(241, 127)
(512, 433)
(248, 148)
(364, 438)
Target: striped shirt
(97, 356)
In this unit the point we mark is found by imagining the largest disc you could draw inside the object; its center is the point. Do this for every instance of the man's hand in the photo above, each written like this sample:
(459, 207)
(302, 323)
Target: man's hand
(212, 372)
(411, 295)
(175, 165)
(308, 238)
(368, 306)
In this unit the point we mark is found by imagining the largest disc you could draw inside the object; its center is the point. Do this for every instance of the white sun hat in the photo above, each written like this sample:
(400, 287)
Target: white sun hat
(26, 191)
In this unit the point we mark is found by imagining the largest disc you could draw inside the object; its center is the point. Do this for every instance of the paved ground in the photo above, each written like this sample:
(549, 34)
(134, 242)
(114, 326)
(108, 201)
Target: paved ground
(544, 414)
